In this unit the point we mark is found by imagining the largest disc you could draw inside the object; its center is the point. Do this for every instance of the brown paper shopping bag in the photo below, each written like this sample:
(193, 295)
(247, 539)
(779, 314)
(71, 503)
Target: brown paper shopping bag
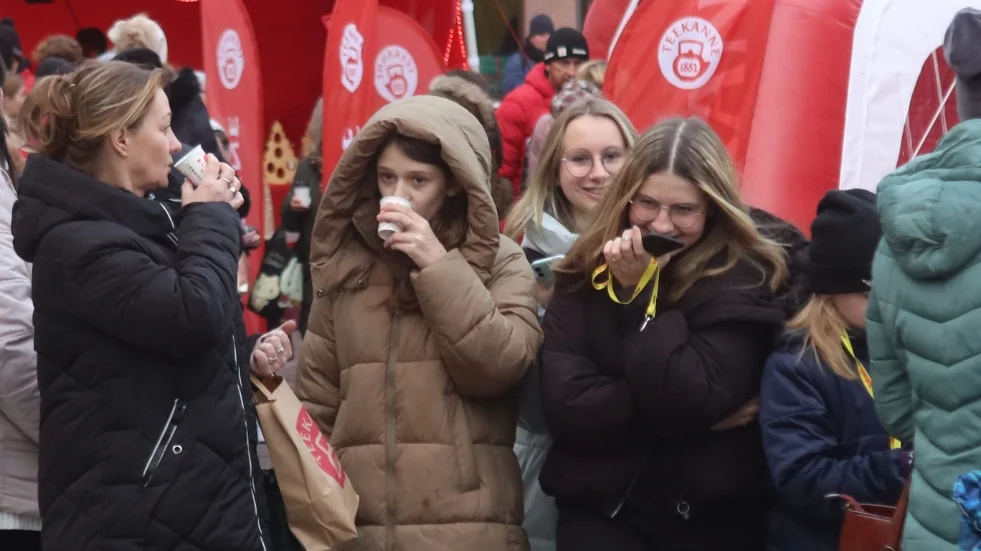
(320, 502)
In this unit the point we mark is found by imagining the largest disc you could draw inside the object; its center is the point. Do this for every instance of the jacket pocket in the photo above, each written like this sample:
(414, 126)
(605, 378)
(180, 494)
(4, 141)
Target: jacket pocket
(163, 441)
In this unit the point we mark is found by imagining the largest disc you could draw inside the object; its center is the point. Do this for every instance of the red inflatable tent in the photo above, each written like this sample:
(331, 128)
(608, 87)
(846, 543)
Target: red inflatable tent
(809, 95)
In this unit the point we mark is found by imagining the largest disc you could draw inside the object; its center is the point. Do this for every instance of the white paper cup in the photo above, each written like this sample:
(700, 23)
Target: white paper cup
(303, 194)
(386, 229)
(191, 166)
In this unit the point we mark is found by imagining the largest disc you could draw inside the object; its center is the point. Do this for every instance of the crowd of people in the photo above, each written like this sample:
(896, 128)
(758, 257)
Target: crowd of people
(525, 327)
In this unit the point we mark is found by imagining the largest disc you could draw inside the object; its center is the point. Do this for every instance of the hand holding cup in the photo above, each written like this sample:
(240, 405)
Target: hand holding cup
(218, 184)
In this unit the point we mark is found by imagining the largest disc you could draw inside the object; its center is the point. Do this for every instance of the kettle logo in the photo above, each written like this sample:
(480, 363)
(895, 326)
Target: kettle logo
(689, 53)
(396, 74)
(231, 60)
(352, 65)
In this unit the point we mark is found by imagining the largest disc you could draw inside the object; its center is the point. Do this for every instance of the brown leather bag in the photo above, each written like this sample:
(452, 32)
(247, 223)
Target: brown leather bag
(873, 527)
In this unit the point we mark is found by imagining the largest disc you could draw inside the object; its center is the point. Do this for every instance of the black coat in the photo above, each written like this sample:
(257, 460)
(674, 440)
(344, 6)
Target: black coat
(630, 412)
(822, 436)
(307, 174)
(147, 422)
(191, 122)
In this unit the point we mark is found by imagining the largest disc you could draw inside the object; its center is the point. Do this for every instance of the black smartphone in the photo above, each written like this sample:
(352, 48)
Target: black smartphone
(659, 245)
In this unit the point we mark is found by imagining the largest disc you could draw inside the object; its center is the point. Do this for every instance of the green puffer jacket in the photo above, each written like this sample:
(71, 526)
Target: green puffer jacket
(924, 326)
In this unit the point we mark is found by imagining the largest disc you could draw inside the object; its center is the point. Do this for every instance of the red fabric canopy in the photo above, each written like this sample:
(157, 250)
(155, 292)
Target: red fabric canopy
(289, 33)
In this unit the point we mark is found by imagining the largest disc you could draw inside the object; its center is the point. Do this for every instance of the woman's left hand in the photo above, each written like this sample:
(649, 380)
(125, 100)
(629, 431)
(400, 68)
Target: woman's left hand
(273, 350)
(416, 239)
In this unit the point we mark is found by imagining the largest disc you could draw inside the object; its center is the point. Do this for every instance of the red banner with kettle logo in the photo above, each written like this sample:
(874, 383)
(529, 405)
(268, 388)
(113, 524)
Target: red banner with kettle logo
(709, 58)
(231, 63)
(374, 56)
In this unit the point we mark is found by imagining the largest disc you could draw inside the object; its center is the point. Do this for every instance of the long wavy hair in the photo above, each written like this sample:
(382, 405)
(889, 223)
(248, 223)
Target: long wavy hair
(544, 193)
(822, 326)
(690, 149)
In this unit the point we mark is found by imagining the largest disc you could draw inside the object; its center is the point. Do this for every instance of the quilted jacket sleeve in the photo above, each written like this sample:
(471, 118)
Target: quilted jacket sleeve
(688, 380)
(511, 119)
(890, 381)
(488, 334)
(584, 408)
(20, 401)
(803, 450)
(176, 310)
(318, 379)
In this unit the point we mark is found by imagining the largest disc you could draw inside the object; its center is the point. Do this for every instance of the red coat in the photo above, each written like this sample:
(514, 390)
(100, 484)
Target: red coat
(516, 119)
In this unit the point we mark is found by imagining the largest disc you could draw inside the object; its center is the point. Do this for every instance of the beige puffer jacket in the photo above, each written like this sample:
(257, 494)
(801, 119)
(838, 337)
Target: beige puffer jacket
(421, 405)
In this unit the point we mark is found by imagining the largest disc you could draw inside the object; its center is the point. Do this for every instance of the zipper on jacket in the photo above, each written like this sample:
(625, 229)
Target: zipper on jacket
(163, 441)
(390, 435)
(623, 500)
(248, 442)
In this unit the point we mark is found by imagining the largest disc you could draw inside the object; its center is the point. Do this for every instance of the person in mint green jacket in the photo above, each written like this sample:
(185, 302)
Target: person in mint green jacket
(924, 316)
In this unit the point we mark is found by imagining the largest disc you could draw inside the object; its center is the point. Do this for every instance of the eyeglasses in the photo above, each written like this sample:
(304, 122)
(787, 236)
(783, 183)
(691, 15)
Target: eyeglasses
(580, 163)
(683, 216)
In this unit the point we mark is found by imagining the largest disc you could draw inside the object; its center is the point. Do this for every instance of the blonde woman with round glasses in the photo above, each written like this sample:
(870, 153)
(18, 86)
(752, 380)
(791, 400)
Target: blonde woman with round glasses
(584, 149)
(647, 362)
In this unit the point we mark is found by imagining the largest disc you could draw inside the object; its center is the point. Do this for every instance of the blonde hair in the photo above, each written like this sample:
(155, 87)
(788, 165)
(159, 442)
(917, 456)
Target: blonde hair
(822, 325)
(594, 72)
(543, 191)
(69, 116)
(688, 148)
(139, 31)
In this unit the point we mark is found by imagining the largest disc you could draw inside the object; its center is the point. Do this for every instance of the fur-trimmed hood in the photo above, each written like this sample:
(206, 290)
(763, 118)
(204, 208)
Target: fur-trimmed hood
(467, 94)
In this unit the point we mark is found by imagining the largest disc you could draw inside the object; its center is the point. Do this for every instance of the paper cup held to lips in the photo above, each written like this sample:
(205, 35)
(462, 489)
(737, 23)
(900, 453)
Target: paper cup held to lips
(387, 229)
(191, 166)
(303, 194)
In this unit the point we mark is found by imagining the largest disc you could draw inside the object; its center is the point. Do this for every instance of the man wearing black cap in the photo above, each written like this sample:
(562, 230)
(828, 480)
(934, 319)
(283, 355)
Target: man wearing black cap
(518, 114)
(518, 65)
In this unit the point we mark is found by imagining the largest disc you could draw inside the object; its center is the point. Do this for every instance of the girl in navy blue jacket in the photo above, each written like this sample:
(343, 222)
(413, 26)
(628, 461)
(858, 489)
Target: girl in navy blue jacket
(820, 430)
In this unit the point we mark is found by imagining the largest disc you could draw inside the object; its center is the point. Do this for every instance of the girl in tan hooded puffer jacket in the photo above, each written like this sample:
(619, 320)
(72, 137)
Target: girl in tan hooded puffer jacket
(416, 343)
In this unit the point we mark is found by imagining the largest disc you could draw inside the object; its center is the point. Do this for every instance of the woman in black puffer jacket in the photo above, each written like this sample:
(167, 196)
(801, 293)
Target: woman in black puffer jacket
(148, 430)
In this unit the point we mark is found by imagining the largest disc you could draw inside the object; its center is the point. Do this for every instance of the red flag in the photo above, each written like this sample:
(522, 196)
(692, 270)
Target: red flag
(348, 75)
(231, 63)
(692, 58)
(362, 73)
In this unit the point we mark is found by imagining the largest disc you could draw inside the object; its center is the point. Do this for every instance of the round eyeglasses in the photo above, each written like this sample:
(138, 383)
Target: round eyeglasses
(683, 216)
(580, 163)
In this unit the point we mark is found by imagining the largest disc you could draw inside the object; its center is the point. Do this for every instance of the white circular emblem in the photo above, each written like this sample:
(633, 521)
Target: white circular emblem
(396, 75)
(231, 59)
(352, 66)
(689, 52)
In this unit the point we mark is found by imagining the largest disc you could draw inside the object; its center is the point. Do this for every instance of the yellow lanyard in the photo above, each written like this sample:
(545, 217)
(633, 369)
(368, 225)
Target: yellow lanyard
(863, 374)
(652, 272)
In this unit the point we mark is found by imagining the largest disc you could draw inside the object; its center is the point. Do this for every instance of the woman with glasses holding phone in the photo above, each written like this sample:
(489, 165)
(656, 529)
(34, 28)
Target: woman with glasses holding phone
(584, 150)
(648, 360)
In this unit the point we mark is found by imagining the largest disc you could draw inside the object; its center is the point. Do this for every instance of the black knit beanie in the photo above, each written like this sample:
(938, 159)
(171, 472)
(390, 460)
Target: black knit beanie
(844, 236)
(566, 43)
(962, 50)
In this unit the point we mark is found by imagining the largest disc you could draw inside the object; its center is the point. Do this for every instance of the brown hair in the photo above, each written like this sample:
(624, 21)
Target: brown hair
(13, 85)
(823, 327)
(69, 116)
(544, 193)
(690, 149)
(59, 45)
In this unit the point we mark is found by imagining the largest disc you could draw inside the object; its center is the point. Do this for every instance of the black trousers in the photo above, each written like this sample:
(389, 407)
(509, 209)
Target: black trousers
(632, 530)
(20, 540)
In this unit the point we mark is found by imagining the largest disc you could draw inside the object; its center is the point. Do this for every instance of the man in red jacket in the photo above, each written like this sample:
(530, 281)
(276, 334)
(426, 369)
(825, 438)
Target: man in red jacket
(520, 110)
